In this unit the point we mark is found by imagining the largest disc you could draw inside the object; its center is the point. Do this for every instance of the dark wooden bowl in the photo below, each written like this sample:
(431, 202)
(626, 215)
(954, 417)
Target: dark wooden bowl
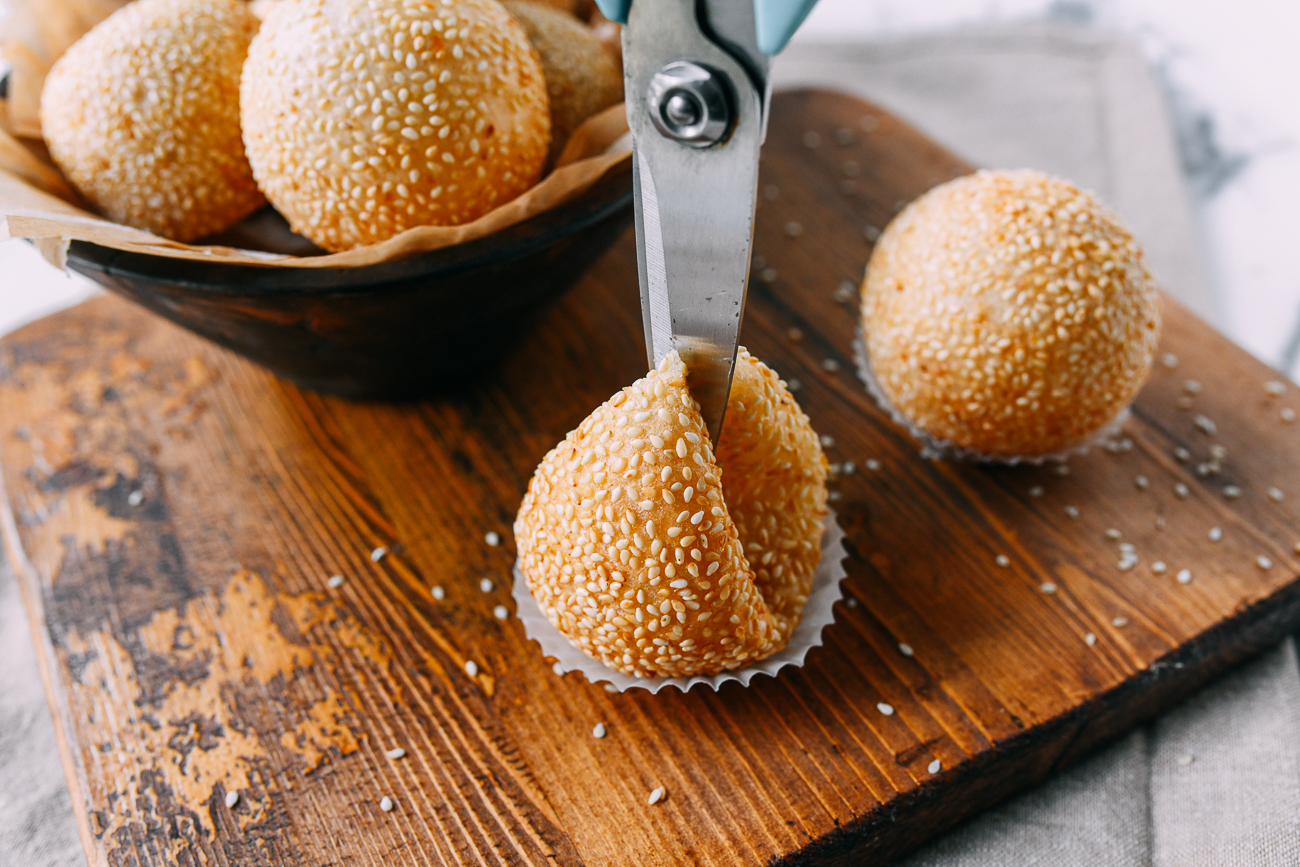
(393, 330)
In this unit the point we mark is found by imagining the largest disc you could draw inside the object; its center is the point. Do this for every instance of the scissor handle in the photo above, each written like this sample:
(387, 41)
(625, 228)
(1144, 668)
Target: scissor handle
(775, 20)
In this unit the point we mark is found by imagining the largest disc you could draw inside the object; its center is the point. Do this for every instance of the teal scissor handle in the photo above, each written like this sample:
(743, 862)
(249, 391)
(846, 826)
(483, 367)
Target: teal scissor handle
(775, 20)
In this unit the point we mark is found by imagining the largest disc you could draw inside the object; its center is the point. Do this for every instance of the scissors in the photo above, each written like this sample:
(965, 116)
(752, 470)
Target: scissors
(696, 82)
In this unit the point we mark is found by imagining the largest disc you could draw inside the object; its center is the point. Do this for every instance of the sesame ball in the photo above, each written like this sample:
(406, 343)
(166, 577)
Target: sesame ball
(657, 557)
(142, 116)
(364, 119)
(581, 75)
(1008, 314)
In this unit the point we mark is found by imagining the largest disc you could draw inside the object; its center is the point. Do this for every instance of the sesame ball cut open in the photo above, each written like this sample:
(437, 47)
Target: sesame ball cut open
(657, 557)
(1008, 314)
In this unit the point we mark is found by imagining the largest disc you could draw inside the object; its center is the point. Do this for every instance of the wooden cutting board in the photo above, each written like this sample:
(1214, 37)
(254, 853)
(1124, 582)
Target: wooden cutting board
(175, 514)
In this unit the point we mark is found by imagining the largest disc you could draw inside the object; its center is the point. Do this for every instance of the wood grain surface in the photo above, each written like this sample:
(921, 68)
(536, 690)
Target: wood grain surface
(175, 514)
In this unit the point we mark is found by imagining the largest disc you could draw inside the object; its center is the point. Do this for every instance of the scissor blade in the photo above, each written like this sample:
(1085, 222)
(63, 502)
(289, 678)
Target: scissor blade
(695, 211)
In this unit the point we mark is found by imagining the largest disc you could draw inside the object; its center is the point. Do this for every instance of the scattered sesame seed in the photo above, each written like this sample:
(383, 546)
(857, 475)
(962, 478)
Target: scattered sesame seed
(827, 441)
(886, 709)
(1218, 452)
(657, 795)
(844, 293)
(830, 365)
(1169, 360)
(1181, 491)
(1191, 386)
(795, 334)
(1186, 760)
(812, 139)
(438, 592)
(558, 668)
(486, 585)
(1275, 387)
(492, 537)
(834, 496)
(1061, 469)
(771, 192)
(1276, 495)
(872, 464)
(1113, 534)
(1047, 587)
(1090, 639)
(1036, 491)
(848, 468)
(1264, 562)
(598, 731)
(905, 649)
(501, 612)
(135, 498)
(1215, 534)
(844, 137)
(1119, 622)
(1183, 403)
(1126, 564)
(378, 554)
(1184, 576)
(1003, 560)
(1182, 454)
(335, 581)
(232, 798)
(1206, 425)
(609, 687)
(1142, 483)
(1072, 512)
(1232, 492)
(793, 229)
(871, 233)
(794, 385)
(471, 668)
(767, 275)
(1287, 415)
(396, 753)
(934, 767)
(386, 804)
(852, 603)
(1126, 548)
(1160, 522)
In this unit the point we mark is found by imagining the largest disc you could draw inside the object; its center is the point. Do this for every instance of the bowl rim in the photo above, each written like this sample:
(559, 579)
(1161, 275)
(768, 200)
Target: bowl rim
(610, 193)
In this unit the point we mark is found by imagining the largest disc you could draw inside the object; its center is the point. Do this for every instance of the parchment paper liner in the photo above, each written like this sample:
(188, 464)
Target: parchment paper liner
(37, 203)
(817, 614)
(933, 447)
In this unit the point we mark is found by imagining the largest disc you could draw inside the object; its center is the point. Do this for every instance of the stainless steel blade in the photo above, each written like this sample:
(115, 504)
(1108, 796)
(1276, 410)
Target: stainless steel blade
(695, 207)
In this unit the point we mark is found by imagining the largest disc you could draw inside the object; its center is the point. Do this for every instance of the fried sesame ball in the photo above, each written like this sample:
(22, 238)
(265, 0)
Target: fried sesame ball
(142, 116)
(364, 118)
(1009, 314)
(658, 558)
(581, 75)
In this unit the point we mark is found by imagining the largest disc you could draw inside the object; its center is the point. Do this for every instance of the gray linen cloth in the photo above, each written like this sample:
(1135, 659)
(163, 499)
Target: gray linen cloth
(1214, 782)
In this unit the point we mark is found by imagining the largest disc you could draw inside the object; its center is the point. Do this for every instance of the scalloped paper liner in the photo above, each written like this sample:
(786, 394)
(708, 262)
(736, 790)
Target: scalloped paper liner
(818, 613)
(933, 447)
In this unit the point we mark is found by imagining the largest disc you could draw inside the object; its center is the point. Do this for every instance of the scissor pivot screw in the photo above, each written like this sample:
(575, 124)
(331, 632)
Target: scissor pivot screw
(688, 103)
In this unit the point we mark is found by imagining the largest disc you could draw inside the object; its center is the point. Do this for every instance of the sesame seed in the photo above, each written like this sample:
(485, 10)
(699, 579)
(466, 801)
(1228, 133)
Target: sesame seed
(1036, 491)
(1276, 495)
(501, 612)
(794, 334)
(1264, 562)
(1061, 469)
(848, 468)
(905, 649)
(1119, 622)
(1215, 534)
(1205, 425)
(794, 385)
(830, 365)
(1159, 567)
(386, 804)
(378, 554)
(492, 537)
(1287, 415)
(1181, 491)
(934, 767)
(845, 137)
(1113, 534)
(438, 592)
(1183, 403)
(1072, 512)
(232, 798)
(1191, 386)
(598, 731)
(871, 233)
(135, 498)
(1126, 564)
(1182, 454)
(1141, 483)
(767, 275)
(335, 581)
(558, 668)
(1003, 560)
(852, 603)
(657, 795)
(844, 293)
(1047, 587)
(793, 229)
(811, 139)
(827, 441)
(1169, 360)
(396, 753)
(1090, 639)
(1184, 576)
(1186, 760)
(471, 668)
(486, 585)
(1232, 492)
(1218, 452)
(886, 709)
(1274, 388)
(872, 464)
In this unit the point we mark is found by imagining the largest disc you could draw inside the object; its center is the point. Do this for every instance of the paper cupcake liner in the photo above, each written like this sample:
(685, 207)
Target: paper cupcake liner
(933, 447)
(817, 614)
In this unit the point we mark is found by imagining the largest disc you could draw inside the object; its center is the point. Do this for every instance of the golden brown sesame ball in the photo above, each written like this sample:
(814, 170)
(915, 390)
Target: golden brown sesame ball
(658, 559)
(365, 118)
(142, 116)
(581, 76)
(1009, 313)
